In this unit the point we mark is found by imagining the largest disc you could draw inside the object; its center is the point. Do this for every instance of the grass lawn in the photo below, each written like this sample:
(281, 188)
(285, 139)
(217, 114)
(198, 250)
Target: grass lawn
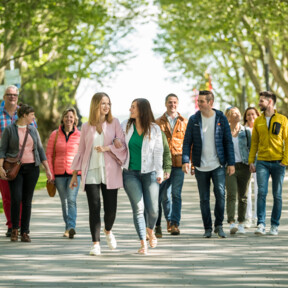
(40, 185)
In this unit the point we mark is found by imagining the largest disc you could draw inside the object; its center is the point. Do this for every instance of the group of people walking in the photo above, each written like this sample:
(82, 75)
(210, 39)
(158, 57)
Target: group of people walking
(148, 157)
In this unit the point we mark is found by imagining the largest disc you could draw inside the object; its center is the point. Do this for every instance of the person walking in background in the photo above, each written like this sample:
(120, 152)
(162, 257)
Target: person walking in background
(142, 170)
(174, 127)
(250, 114)
(8, 115)
(269, 140)
(100, 162)
(22, 187)
(209, 135)
(65, 141)
(167, 165)
(237, 184)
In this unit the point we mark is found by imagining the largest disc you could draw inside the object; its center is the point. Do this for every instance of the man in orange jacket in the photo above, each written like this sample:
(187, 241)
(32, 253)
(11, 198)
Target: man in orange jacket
(174, 127)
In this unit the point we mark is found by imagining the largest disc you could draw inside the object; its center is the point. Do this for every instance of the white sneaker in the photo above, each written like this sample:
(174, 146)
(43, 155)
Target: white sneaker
(241, 229)
(66, 233)
(260, 230)
(233, 228)
(273, 230)
(111, 241)
(95, 250)
(248, 223)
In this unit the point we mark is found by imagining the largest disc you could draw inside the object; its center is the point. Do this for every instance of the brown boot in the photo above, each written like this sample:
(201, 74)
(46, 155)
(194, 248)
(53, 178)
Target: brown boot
(175, 230)
(25, 238)
(14, 235)
(168, 226)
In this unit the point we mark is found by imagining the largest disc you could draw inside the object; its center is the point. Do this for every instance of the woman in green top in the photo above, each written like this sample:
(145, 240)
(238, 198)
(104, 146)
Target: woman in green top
(143, 170)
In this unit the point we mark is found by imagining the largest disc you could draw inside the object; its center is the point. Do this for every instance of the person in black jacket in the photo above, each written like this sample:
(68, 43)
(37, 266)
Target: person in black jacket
(209, 135)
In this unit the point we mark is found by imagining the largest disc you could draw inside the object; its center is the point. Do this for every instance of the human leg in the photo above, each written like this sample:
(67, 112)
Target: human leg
(94, 204)
(263, 173)
(203, 183)
(277, 175)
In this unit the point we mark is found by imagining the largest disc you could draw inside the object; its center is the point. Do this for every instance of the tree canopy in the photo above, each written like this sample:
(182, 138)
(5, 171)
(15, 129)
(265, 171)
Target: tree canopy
(229, 39)
(55, 44)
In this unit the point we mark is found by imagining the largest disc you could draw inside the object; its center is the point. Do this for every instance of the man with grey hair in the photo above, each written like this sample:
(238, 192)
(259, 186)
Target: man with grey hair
(8, 115)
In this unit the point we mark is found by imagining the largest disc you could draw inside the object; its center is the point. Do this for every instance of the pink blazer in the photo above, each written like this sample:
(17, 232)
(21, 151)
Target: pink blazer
(113, 160)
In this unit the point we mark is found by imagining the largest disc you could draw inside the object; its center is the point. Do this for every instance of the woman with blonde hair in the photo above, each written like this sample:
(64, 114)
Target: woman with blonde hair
(143, 170)
(100, 162)
(237, 184)
(63, 143)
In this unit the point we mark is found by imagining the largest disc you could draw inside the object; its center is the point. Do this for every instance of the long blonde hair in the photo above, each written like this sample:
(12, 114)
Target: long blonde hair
(94, 115)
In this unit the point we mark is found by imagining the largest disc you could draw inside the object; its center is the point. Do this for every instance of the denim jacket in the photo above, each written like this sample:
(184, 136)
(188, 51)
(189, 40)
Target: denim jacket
(244, 139)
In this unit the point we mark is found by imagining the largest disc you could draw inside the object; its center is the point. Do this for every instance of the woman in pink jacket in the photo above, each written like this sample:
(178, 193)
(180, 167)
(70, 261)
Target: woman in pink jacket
(100, 162)
(66, 142)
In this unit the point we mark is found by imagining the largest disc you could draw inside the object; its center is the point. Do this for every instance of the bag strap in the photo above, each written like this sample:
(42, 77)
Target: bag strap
(24, 144)
(54, 149)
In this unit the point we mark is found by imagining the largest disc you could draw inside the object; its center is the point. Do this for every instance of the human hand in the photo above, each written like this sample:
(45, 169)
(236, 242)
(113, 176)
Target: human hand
(159, 180)
(252, 168)
(185, 168)
(117, 143)
(73, 182)
(230, 170)
(166, 175)
(102, 148)
(3, 173)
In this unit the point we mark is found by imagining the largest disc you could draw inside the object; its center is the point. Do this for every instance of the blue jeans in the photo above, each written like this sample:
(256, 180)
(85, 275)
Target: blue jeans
(203, 181)
(263, 170)
(164, 201)
(143, 192)
(173, 186)
(68, 200)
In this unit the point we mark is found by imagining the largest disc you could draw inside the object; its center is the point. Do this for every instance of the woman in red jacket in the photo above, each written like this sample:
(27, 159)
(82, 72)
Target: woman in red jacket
(66, 141)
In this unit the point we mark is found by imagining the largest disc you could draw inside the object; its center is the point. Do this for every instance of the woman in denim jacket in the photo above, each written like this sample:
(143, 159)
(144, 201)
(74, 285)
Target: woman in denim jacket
(237, 184)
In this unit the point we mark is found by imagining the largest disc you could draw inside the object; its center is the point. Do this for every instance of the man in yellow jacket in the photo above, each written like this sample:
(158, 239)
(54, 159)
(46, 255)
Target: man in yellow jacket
(270, 143)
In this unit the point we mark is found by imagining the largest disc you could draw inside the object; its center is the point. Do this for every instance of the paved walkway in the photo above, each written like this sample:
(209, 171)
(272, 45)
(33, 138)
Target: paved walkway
(187, 260)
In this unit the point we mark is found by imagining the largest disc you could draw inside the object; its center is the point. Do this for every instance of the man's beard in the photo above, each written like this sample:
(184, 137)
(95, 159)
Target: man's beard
(263, 109)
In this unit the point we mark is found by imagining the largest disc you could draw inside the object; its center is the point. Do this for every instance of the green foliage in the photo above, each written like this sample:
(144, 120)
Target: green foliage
(41, 183)
(228, 38)
(55, 44)
(1, 207)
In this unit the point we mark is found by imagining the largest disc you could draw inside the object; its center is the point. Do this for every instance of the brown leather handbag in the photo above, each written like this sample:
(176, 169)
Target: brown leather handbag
(12, 165)
(50, 185)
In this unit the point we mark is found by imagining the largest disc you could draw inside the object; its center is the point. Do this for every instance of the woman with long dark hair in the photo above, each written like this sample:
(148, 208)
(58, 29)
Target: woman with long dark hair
(143, 171)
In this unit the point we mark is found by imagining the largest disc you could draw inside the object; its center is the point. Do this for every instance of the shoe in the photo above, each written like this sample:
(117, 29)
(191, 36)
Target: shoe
(241, 229)
(260, 230)
(66, 233)
(95, 250)
(168, 226)
(14, 235)
(208, 233)
(273, 230)
(233, 228)
(152, 238)
(9, 232)
(219, 230)
(72, 232)
(143, 249)
(111, 241)
(248, 223)
(25, 238)
(174, 230)
(158, 232)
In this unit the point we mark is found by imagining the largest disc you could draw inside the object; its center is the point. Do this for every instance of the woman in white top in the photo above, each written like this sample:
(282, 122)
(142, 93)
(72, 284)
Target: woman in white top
(143, 170)
(100, 162)
(237, 184)
(250, 114)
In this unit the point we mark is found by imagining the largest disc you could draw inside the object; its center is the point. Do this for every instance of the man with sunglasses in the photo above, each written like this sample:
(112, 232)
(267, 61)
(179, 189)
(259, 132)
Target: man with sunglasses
(208, 134)
(8, 115)
(270, 143)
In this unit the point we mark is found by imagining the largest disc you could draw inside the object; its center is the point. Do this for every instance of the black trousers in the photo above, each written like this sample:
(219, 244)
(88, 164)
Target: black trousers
(22, 190)
(94, 203)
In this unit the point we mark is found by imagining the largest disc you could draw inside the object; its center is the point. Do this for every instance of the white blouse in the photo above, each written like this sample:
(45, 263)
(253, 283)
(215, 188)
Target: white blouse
(96, 171)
